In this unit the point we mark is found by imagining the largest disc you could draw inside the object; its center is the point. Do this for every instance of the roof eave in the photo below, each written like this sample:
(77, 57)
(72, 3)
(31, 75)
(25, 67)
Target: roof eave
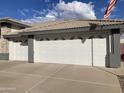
(14, 22)
(78, 29)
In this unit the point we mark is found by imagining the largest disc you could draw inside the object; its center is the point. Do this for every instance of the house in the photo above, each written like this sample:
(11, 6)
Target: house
(80, 42)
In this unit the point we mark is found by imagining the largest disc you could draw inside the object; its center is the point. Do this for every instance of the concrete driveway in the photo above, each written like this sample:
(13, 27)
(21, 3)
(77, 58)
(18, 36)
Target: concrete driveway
(22, 77)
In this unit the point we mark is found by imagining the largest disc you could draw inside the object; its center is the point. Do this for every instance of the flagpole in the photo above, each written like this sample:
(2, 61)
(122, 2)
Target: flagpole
(109, 9)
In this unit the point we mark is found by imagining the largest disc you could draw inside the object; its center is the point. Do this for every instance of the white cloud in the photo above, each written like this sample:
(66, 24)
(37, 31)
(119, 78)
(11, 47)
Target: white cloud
(23, 11)
(76, 10)
(103, 9)
(71, 10)
(52, 15)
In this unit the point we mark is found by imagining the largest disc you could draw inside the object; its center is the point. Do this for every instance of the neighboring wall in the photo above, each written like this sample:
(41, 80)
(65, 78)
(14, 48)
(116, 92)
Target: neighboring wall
(4, 49)
(4, 42)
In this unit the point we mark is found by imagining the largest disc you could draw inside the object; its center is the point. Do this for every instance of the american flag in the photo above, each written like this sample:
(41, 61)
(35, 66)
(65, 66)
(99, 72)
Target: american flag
(109, 8)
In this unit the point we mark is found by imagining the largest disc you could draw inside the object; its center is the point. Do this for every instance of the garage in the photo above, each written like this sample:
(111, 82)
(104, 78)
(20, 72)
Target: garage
(77, 42)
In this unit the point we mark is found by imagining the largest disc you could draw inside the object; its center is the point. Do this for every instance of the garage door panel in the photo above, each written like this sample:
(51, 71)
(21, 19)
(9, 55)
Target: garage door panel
(63, 51)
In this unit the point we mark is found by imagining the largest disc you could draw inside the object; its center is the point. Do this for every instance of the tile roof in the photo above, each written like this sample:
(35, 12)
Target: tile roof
(69, 24)
(66, 24)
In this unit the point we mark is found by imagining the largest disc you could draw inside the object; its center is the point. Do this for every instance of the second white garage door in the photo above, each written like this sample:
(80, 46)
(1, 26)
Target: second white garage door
(17, 51)
(99, 52)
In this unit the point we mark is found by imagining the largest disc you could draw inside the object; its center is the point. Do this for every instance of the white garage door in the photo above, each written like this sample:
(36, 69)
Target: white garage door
(63, 51)
(17, 51)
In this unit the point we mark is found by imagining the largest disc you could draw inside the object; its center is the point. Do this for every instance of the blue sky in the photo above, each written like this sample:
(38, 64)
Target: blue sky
(44, 9)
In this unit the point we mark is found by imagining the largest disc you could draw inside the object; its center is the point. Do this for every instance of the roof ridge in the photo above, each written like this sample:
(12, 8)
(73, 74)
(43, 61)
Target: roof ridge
(59, 23)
